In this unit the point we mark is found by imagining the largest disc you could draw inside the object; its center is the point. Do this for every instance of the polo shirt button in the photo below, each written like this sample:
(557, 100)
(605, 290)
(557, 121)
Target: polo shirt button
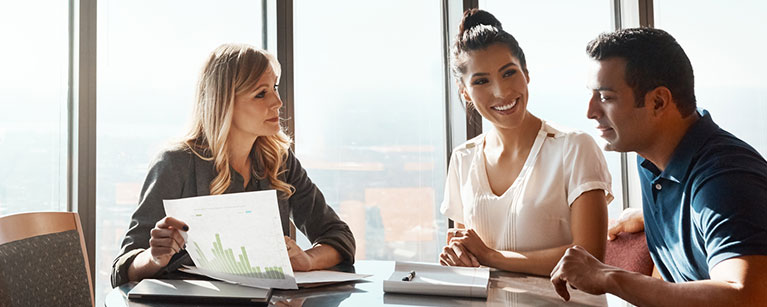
(658, 186)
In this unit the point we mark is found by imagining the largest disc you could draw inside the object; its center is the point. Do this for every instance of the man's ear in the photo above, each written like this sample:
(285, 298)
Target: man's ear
(660, 99)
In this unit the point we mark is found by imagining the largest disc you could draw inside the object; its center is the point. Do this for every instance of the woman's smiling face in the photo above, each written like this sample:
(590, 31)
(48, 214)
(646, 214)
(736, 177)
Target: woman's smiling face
(496, 83)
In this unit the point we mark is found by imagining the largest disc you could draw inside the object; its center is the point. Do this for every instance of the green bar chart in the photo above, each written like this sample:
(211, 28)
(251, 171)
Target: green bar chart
(224, 260)
(236, 237)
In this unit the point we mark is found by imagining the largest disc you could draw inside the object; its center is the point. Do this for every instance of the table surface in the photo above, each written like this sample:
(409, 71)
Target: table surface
(505, 289)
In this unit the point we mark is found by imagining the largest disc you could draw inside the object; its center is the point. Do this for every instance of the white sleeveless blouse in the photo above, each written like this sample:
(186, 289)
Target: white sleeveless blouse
(534, 213)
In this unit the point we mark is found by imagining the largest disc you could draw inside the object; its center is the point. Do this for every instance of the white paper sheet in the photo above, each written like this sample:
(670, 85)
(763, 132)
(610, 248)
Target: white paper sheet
(236, 237)
(303, 278)
(434, 279)
(324, 276)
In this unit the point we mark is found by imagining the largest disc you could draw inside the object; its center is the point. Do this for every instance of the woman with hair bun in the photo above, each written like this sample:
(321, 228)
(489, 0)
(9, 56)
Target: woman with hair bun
(524, 191)
(235, 144)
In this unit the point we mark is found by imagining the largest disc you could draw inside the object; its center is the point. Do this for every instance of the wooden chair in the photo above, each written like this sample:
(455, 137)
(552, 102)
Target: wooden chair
(43, 261)
(629, 251)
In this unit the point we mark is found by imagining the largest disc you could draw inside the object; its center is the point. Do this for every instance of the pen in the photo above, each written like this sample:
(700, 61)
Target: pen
(409, 276)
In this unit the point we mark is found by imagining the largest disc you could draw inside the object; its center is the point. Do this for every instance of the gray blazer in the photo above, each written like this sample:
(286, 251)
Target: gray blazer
(179, 173)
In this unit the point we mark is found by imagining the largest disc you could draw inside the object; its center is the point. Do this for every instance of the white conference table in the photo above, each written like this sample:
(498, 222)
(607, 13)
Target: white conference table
(505, 289)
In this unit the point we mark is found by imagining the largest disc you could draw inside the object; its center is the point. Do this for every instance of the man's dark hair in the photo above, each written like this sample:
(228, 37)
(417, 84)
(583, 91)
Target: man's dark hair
(653, 58)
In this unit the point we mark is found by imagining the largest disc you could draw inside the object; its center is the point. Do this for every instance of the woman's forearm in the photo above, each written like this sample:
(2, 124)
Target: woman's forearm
(323, 257)
(143, 266)
(538, 262)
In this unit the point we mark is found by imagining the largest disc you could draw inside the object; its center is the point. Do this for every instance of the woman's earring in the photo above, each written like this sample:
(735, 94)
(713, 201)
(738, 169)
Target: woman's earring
(467, 105)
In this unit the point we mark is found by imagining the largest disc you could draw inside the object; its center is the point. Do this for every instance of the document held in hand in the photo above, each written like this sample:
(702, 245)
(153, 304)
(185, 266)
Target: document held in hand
(236, 237)
(435, 279)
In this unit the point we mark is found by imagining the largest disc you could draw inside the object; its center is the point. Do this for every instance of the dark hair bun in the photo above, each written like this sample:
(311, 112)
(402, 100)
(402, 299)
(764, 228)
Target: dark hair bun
(476, 17)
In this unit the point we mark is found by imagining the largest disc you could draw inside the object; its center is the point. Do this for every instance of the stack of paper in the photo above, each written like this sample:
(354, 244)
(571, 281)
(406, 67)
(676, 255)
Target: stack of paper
(434, 279)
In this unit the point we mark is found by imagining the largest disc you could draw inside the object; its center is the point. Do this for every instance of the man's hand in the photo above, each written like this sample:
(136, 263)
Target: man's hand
(630, 221)
(299, 259)
(582, 271)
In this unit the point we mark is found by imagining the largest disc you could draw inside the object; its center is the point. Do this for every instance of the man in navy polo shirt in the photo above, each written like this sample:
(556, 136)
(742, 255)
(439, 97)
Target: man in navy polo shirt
(704, 191)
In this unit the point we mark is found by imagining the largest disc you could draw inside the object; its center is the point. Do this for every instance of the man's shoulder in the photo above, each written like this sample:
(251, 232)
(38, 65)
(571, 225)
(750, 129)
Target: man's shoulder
(722, 166)
(724, 153)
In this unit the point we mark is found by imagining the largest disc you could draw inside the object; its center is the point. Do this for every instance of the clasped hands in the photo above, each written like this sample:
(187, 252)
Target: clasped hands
(464, 248)
(167, 239)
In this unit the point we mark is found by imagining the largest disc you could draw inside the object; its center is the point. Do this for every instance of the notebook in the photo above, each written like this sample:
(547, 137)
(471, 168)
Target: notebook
(203, 291)
(435, 279)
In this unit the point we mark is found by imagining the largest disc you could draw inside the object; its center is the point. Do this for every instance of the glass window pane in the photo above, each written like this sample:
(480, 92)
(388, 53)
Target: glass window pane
(727, 57)
(370, 119)
(553, 35)
(147, 72)
(33, 105)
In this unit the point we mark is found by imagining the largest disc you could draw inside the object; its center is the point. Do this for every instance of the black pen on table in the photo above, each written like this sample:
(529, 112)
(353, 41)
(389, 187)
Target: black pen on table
(409, 276)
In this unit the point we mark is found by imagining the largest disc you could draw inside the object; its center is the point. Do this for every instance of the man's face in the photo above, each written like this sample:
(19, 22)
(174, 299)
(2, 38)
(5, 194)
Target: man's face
(624, 126)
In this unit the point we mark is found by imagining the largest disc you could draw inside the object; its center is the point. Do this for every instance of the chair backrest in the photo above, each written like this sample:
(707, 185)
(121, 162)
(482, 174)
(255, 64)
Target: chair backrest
(43, 261)
(629, 251)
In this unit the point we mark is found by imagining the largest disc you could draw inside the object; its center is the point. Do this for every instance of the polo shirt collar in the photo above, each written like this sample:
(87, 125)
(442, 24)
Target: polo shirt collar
(692, 141)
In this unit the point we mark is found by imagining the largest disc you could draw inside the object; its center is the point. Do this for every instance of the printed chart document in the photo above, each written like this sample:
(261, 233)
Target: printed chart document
(435, 279)
(236, 237)
(303, 279)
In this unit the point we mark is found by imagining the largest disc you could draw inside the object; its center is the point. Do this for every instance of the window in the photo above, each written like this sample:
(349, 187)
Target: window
(554, 37)
(33, 106)
(369, 98)
(370, 119)
(147, 73)
(726, 57)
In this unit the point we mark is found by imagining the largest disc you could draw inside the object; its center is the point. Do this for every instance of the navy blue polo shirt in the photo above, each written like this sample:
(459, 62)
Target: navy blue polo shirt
(708, 205)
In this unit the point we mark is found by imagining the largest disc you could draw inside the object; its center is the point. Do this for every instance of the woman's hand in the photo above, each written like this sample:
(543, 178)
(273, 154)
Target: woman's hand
(166, 240)
(457, 253)
(454, 254)
(299, 259)
(471, 241)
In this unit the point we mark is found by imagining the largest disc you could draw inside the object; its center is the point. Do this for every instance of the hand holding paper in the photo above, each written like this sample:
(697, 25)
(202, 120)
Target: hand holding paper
(238, 238)
(222, 240)
(299, 259)
(166, 239)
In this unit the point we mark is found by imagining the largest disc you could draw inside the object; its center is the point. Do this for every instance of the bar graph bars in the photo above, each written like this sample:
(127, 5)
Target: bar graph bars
(224, 261)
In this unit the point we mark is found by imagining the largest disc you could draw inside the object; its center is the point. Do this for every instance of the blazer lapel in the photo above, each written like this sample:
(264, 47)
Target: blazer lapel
(204, 174)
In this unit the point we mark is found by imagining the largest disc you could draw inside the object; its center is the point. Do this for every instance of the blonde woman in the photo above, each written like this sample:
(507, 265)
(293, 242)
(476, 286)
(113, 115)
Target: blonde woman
(235, 144)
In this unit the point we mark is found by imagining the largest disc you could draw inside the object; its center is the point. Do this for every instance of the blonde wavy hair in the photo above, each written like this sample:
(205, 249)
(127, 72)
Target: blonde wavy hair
(230, 71)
